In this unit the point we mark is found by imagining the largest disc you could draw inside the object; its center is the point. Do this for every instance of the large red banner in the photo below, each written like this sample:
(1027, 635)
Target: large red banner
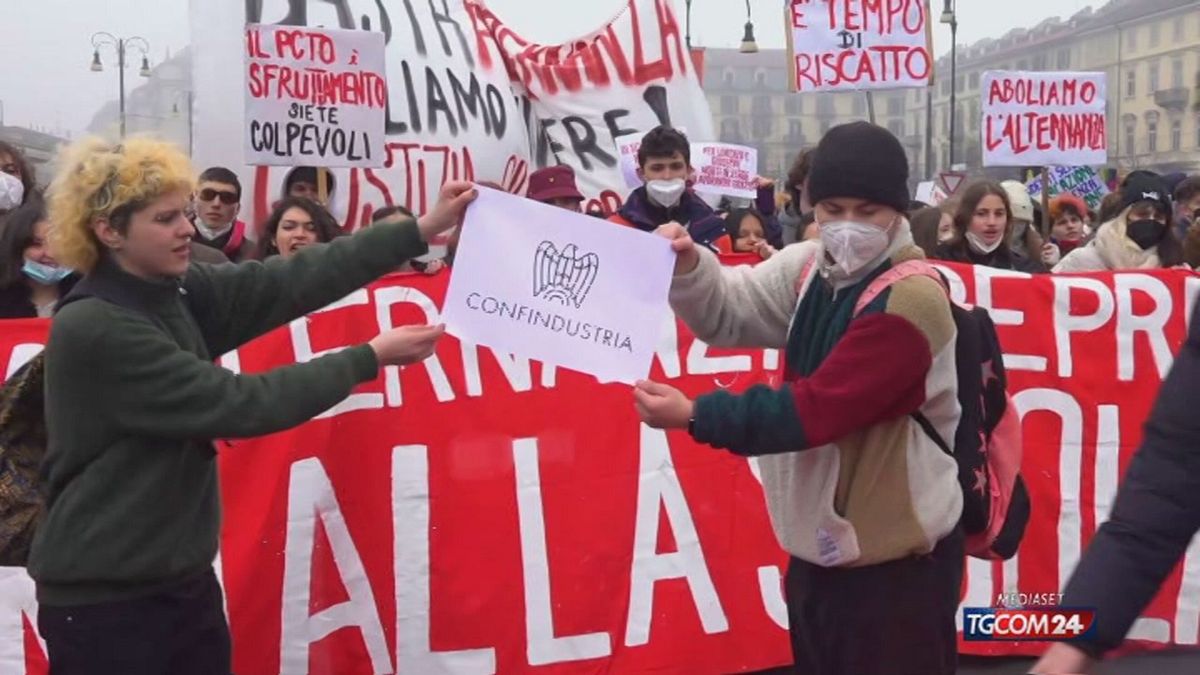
(481, 513)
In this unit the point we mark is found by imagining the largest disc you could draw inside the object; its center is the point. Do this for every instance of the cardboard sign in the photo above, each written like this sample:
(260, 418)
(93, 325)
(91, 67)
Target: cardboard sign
(1032, 119)
(859, 44)
(314, 97)
(1082, 181)
(726, 169)
(548, 284)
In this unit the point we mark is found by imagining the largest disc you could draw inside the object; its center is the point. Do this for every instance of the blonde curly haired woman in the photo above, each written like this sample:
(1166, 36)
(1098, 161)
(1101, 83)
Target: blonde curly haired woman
(123, 559)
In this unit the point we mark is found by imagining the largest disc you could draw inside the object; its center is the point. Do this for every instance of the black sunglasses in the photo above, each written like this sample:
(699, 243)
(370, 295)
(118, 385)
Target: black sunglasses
(209, 194)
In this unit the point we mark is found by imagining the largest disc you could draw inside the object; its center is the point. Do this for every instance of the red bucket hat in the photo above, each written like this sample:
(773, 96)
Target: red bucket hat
(553, 182)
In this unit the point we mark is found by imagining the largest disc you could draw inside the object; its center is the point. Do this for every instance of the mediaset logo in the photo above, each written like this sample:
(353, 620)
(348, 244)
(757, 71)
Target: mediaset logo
(988, 624)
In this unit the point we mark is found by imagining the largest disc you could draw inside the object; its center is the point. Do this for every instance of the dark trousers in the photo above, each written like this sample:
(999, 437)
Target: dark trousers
(180, 630)
(895, 618)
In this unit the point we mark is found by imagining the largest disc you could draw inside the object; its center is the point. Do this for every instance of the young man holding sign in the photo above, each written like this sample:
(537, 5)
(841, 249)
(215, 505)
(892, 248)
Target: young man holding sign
(864, 500)
(665, 165)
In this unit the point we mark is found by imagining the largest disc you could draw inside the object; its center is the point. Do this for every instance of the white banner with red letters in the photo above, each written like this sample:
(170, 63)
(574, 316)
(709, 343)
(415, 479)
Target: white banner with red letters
(1042, 119)
(852, 45)
(467, 98)
(480, 513)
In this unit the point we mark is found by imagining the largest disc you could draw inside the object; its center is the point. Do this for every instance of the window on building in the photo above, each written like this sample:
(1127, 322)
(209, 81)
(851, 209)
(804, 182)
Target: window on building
(791, 105)
(897, 128)
(762, 127)
(916, 123)
(1153, 76)
(1130, 136)
(860, 103)
(1177, 135)
(946, 87)
(1023, 64)
(895, 106)
(795, 132)
(1040, 62)
(762, 105)
(729, 105)
(729, 130)
(1177, 71)
(727, 78)
(972, 121)
(974, 81)
(1130, 83)
(1131, 38)
(1152, 133)
(1064, 59)
(760, 78)
(824, 104)
(1155, 34)
(1178, 34)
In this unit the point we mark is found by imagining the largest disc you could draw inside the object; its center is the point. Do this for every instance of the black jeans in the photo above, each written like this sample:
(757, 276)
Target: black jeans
(894, 618)
(180, 630)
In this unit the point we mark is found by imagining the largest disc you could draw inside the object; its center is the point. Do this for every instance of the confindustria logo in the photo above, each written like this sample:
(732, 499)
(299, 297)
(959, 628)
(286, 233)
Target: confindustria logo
(554, 322)
(563, 276)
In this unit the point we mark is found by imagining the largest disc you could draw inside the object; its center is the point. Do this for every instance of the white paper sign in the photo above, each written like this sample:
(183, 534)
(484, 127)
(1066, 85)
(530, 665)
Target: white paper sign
(628, 150)
(563, 288)
(314, 97)
(929, 192)
(1042, 119)
(725, 169)
(847, 45)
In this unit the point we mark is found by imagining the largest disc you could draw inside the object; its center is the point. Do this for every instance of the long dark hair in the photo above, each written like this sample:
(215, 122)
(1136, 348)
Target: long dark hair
(16, 235)
(733, 223)
(27, 177)
(327, 227)
(925, 224)
(966, 212)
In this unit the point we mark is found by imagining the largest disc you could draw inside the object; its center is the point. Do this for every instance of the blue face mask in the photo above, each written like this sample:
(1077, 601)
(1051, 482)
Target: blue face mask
(47, 275)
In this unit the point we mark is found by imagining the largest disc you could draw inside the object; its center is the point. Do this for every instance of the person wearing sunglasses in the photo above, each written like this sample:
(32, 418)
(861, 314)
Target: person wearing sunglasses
(217, 202)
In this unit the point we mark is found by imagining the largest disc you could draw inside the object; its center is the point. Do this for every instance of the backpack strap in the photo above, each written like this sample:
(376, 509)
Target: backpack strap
(906, 269)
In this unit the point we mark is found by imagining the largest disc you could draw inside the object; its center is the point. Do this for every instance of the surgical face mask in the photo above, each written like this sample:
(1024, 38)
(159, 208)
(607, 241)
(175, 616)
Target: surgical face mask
(1146, 233)
(666, 193)
(46, 275)
(12, 191)
(981, 247)
(853, 245)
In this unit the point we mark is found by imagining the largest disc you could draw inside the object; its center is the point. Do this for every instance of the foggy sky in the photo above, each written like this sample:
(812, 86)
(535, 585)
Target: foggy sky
(45, 80)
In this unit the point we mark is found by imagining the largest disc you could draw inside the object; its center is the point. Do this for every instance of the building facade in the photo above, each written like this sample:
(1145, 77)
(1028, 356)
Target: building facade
(1150, 50)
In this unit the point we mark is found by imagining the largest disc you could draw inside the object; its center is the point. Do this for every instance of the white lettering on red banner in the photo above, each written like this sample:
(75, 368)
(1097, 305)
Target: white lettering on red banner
(488, 514)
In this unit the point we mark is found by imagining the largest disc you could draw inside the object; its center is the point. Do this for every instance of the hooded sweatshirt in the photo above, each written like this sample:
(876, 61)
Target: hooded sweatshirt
(850, 477)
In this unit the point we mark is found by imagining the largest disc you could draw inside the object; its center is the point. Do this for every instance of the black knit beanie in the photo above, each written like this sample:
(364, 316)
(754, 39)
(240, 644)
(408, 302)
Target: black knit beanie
(860, 160)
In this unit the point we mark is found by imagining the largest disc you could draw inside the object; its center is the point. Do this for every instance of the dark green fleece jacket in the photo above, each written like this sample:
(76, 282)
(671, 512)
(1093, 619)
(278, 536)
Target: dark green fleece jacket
(134, 401)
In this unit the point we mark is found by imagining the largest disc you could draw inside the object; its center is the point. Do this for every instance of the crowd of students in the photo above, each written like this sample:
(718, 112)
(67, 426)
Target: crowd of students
(861, 493)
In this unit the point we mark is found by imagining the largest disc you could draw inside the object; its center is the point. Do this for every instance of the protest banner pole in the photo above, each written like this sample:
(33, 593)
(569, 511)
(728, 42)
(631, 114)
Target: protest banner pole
(323, 185)
(870, 106)
(1046, 224)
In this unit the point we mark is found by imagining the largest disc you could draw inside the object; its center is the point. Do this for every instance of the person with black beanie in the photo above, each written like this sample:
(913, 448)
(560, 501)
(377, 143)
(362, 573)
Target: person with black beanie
(864, 501)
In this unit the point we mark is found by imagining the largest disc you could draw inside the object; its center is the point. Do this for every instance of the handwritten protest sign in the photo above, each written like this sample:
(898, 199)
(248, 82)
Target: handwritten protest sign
(543, 283)
(629, 162)
(725, 169)
(1081, 181)
(314, 97)
(859, 44)
(1044, 119)
(929, 192)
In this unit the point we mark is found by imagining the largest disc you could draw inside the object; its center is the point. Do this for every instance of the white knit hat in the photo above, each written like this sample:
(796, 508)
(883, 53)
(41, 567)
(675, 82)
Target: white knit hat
(1018, 198)
(12, 191)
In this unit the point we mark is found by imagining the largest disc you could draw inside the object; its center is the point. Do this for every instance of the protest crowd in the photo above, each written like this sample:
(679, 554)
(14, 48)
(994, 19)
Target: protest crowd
(885, 447)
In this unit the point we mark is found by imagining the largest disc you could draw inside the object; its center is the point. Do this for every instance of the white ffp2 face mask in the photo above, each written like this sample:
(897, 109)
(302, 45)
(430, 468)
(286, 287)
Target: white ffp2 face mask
(853, 245)
(666, 193)
(12, 192)
(981, 247)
